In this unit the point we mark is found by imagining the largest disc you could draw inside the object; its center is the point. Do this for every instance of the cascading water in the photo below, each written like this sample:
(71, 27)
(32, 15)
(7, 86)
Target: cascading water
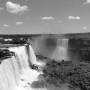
(54, 48)
(33, 58)
(15, 72)
(61, 51)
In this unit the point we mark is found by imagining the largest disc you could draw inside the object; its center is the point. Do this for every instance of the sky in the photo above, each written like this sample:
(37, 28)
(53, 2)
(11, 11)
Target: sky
(44, 16)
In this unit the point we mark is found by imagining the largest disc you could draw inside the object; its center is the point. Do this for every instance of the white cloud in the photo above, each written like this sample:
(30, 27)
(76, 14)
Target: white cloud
(19, 23)
(84, 28)
(73, 17)
(15, 8)
(48, 18)
(86, 2)
(77, 17)
(5, 25)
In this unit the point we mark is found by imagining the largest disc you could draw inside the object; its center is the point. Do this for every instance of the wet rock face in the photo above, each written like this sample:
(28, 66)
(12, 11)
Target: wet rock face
(81, 47)
(48, 46)
(51, 43)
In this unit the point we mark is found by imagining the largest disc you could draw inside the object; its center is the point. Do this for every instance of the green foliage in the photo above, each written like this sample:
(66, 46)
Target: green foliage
(5, 53)
(76, 75)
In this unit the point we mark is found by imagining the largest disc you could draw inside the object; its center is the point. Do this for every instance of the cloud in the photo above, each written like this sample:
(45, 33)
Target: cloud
(15, 8)
(86, 2)
(73, 17)
(5, 25)
(19, 23)
(48, 18)
(84, 28)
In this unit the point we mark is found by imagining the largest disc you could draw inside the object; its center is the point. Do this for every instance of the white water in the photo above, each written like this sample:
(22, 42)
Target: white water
(15, 73)
(61, 51)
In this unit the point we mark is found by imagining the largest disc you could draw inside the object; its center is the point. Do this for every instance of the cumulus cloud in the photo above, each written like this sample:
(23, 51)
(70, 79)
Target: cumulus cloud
(73, 17)
(48, 18)
(15, 8)
(86, 2)
(19, 23)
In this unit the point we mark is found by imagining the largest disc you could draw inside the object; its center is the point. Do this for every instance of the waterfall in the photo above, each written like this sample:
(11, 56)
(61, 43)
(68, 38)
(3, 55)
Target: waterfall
(33, 58)
(15, 72)
(61, 51)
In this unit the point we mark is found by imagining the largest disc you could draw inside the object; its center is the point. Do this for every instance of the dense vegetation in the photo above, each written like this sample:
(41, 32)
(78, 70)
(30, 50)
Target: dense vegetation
(82, 47)
(76, 75)
(5, 53)
(14, 41)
